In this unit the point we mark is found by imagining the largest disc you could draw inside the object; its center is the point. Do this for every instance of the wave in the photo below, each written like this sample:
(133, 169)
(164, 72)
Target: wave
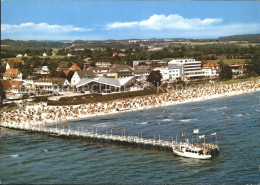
(239, 115)
(14, 156)
(187, 120)
(217, 109)
(142, 123)
(100, 125)
(167, 119)
(45, 150)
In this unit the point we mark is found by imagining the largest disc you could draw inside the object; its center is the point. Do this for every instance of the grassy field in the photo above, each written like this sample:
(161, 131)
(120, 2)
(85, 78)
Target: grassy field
(238, 80)
(240, 43)
(230, 61)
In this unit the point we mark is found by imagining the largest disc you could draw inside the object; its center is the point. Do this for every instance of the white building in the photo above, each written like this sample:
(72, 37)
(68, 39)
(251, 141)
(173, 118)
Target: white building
(164, 72)
(44, 54)
(13, 74)
(103, 64)
(169, 73)
(78, 75)
(191, 68)
(19, 55)
(211, 69)
(29, 83)
(45, 70)
(141, 74)
(51, 84)
(175, 73)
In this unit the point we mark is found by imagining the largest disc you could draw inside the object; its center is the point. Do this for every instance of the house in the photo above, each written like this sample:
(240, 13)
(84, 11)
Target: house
(121, 54)
(44, 70)
(103, 64)
(25, 55)
(69, 55)
(64, 66)
(13, 86)
(104, 84)
(13, 74)
(74, 67)
(9, 64)
(51, 84)
(141, 74)
(211, 69)
(29, 82)
(78, 75)
(120, 71)
(19, 55)
(100, 71)
(114, 54)
(237, 69)
(44, 55)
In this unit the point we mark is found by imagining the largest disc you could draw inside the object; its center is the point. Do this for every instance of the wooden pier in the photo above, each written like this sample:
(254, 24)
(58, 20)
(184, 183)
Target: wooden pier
(108, 138)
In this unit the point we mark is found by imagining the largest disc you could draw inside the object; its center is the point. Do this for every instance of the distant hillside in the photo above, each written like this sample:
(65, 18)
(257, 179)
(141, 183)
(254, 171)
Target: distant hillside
(34, 44)
(248, 37)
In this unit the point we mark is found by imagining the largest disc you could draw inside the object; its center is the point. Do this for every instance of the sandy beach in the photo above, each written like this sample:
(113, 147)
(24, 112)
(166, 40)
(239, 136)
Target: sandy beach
(42, 115)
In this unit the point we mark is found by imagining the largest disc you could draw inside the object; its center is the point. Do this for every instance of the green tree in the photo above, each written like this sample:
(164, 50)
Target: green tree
(2, 92)
(71, 73)
(225, 71)
(254, 65)
(155, 78)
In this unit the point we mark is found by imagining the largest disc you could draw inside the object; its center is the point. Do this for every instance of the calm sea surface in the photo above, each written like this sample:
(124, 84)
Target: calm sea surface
(35, 158)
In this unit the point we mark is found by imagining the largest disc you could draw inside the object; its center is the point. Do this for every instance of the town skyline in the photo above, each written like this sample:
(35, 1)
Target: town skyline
(87, 20)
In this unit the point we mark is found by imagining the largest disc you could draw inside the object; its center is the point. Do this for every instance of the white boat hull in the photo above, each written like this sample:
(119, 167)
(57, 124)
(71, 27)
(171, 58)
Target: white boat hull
(191, 155)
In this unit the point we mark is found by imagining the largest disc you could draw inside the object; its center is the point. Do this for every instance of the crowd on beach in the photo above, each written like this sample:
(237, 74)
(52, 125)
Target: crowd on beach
(42, 114)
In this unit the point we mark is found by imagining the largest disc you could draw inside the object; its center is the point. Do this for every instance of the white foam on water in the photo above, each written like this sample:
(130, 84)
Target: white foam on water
(142, 123)
(187, 120)
(100, 125)
(239, 115)
(167, 119)
(14, 156)
(45, 150)
(217, 109)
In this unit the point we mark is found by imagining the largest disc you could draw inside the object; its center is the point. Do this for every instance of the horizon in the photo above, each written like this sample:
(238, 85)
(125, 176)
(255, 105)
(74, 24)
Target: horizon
(129, 39)
(126, 20)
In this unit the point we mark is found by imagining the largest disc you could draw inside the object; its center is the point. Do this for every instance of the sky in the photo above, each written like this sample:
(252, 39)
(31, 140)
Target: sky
(103, 20)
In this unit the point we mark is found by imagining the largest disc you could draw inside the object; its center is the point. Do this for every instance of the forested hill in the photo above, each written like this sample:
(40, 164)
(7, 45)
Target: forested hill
(248, 37)
(34, 44)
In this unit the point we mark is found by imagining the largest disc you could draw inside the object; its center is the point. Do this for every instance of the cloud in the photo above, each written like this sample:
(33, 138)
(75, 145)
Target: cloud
(41, 27)
(176, 26)
(172, 21)
(44, 31)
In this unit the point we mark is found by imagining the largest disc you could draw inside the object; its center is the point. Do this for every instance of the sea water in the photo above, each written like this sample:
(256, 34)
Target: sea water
(36, 158)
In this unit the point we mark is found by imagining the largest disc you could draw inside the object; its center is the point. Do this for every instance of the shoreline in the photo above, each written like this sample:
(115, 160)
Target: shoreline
(144, 106)
(154, 107)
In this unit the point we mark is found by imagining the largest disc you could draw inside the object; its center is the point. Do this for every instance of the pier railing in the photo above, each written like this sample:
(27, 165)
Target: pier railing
(110, 138)
(131, 140)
